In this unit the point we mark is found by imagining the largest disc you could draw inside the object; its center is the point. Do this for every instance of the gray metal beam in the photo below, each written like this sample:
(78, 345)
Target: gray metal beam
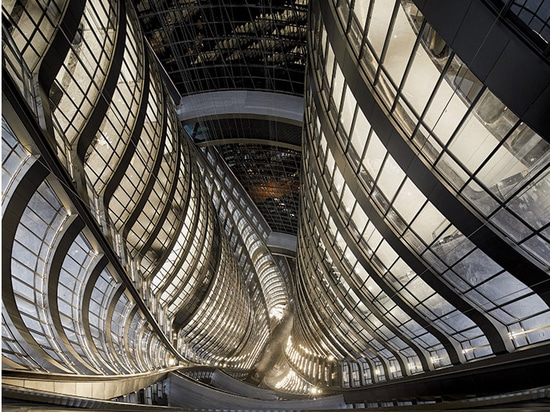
(242, 103)
(282, 244)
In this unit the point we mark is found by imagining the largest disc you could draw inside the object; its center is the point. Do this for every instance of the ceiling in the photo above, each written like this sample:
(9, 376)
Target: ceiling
(221, 45)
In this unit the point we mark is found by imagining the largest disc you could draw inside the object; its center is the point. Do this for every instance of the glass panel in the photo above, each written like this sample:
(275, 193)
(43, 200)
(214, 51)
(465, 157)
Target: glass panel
(360, 10)
(390, 178)
(472, 145)
(347, 111)
(400, 46)
(429, 223)
(379, 23)
(539, 247)
(476, 267)
(409, 200)
(533, 205)
(502, 288)
(447, 107)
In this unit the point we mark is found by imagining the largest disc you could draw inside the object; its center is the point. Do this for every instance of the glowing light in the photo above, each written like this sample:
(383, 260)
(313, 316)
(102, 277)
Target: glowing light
(276, 312)
(314, 391)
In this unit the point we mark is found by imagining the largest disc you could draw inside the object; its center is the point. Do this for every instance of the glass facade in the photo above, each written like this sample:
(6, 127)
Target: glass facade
(117, 262)
(133, 245)
(402, 281)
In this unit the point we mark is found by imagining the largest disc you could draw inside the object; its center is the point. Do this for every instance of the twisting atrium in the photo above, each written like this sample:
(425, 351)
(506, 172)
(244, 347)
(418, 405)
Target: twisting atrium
(275, 204)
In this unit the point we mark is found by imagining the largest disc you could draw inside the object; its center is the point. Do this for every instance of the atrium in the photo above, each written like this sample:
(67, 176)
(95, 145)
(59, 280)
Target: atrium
(275, 204)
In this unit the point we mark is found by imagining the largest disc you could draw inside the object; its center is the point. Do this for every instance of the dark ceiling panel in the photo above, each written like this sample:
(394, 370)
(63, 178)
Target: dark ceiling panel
(271, 176)
(229, 44)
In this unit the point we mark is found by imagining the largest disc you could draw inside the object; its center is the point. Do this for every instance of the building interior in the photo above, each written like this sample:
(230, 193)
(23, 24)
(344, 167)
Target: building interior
(248, 205)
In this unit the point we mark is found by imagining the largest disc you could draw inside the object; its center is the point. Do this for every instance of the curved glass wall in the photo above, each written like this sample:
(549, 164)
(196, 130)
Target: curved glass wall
(165, 201)
(252, 233)
(398, 278)
(493, 161)
(31, 29)
(127, 249)
(163, 273)
(64, 309)
(139, 171)
(104, 153)
(247, 232)
(78, 85)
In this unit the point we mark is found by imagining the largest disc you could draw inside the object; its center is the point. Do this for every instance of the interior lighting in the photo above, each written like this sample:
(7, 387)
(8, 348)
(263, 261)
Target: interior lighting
(276, 312)
(314, 390)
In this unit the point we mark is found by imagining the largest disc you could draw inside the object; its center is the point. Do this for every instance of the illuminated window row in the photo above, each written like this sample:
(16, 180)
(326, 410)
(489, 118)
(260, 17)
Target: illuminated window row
(236, 214)
(492, 159)
(370, 292)
(113, 137)
(165, 275)
(125, 347)
(98, 304)
(308, 328)
(195, 223)
(140, 167)
(169, 236)
(32, 28)
(79, 83)
(325, 312)
(187, 266)
(358, 290)
(69, 327)
(198, 266)
(356, 339)
(230, 318)
(159, 198)
(210, 313)
(74, 274)
(246, 221)
(402, 204)
(384, 259)
(315, 367)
